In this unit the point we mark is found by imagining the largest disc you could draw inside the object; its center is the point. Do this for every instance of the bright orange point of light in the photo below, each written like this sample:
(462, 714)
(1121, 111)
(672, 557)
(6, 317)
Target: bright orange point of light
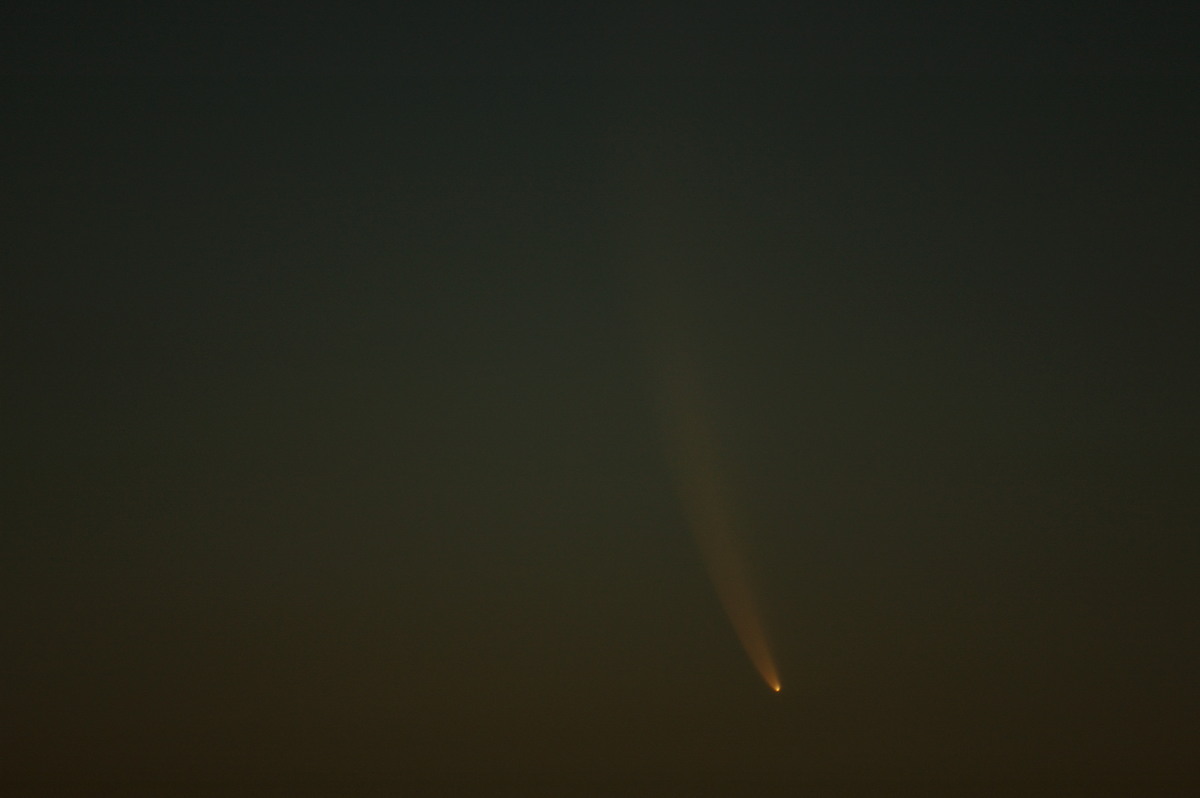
(776, 687)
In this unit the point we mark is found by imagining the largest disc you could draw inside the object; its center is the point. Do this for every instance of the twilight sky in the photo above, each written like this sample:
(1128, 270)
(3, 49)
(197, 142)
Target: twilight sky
(331, 446)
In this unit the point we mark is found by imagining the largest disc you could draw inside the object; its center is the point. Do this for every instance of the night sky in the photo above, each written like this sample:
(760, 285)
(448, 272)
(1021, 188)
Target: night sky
(333, 460)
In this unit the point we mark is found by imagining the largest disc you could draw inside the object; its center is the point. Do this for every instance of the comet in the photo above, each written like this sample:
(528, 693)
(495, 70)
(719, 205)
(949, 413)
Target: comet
(708, 506)
(662, 236)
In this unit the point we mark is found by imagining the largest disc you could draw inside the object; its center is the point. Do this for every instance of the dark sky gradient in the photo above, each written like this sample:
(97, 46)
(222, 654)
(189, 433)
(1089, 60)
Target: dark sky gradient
(331, 454)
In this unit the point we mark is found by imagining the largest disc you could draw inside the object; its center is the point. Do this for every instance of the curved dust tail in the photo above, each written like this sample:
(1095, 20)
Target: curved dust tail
(707, 505)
